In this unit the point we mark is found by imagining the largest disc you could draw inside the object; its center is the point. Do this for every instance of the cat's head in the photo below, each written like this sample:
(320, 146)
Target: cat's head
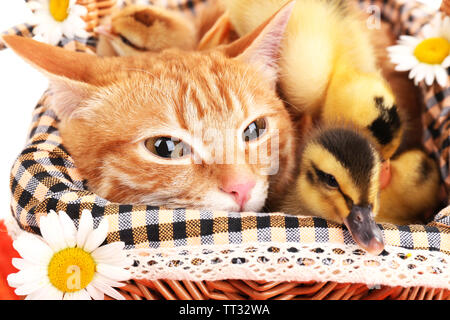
(175, 129)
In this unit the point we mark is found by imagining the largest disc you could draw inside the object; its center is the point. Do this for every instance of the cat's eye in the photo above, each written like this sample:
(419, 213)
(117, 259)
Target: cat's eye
(168, 147)
(255, 130)
(328, 179)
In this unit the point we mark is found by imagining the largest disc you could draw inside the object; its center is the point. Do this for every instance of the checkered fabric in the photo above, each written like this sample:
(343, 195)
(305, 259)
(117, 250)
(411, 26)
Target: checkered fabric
(45, 178)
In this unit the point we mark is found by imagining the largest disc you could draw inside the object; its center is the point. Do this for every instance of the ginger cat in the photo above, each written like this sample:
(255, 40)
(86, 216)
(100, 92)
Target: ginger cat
(150, 129)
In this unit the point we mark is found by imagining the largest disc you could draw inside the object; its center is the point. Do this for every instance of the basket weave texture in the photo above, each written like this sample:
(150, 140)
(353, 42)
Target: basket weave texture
(97, 9)
(37, 187)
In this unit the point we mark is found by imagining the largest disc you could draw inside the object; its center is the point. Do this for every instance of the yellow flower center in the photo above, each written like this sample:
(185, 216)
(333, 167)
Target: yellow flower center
(71, 269)
(432, 50)
(59, 9)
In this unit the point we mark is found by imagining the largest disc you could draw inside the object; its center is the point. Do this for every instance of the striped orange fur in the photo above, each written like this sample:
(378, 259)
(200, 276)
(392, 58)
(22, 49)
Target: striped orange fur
(109, 107)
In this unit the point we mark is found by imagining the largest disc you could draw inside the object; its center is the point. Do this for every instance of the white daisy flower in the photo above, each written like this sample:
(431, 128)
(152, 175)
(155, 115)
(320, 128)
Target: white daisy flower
(426, 56)
(55, 18)
(68, 264)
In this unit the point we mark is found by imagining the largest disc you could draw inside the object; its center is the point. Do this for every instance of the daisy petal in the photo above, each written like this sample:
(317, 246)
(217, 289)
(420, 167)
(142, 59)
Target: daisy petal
(54, 36)
(82, 33)
(441, 76)
(118, 261)
(446, 62)
(37, 295)
(31, 274)
(86, 225)
(20, 264)
(108, 281)
(30, 287)
(14, 281)
(421, 73)
(97, 236)
(403, 67)
(409, 41)
(95, 293)
(107, 290)
(81, 295)
(400, 50)
(428, 31)
(68, 228)
(413, 72)
(67, 30)
(33, 249)
(429, 77)
(406, 63)
(114, 273)
(52, 232)
(107, 251)
(52, 294)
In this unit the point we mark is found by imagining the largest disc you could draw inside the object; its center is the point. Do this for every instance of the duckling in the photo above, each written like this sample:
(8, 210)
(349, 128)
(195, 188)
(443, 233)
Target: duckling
(328, 66)
(342, 179)
(139, 28)
(339, 180)
(411, 190)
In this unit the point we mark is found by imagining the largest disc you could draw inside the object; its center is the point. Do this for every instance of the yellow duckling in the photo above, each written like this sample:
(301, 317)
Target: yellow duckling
(339, 181)
(139, 28)
(411, 190)
(328, 66)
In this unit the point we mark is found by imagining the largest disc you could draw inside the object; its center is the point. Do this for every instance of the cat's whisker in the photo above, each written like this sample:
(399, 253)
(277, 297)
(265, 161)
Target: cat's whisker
(244, 79)
(139, 70)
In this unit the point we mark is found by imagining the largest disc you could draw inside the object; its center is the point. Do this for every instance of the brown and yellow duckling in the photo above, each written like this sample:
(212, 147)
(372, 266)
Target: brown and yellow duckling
(411, 190)
(339, 181)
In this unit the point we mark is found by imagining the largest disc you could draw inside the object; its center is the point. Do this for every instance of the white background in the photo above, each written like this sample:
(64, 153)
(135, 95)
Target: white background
(20, 88)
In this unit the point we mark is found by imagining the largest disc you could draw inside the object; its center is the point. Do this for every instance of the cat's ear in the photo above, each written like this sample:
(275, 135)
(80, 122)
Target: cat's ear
(261, 47)
(70, 73)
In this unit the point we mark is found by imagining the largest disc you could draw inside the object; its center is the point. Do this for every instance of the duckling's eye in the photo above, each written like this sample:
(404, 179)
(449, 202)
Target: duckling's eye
(331, 181)
(328, 179)
(129, 43)
(255, 130)
(168, 147)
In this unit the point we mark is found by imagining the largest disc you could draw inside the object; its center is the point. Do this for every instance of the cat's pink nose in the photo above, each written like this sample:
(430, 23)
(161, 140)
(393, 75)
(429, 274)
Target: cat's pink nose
(239, 188)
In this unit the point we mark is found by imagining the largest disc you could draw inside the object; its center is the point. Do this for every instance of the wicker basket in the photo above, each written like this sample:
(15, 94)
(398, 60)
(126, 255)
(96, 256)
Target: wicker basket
(97, 9)
(164, 288)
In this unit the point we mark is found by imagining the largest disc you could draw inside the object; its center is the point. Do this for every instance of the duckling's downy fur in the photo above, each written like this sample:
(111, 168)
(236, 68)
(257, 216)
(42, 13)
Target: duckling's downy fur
(328, 66)
(412, 191)
(347, 155)
(339, 181)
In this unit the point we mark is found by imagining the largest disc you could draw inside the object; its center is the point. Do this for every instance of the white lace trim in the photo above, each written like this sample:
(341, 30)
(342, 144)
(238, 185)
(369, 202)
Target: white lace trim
(288, 262)
(294, 262)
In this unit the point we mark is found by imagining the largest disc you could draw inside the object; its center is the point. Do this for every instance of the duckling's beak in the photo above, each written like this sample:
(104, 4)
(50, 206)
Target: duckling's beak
(364, 230)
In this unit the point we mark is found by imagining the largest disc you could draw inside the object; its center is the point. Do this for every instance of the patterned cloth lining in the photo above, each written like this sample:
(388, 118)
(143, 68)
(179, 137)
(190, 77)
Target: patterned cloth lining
(44, 178)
